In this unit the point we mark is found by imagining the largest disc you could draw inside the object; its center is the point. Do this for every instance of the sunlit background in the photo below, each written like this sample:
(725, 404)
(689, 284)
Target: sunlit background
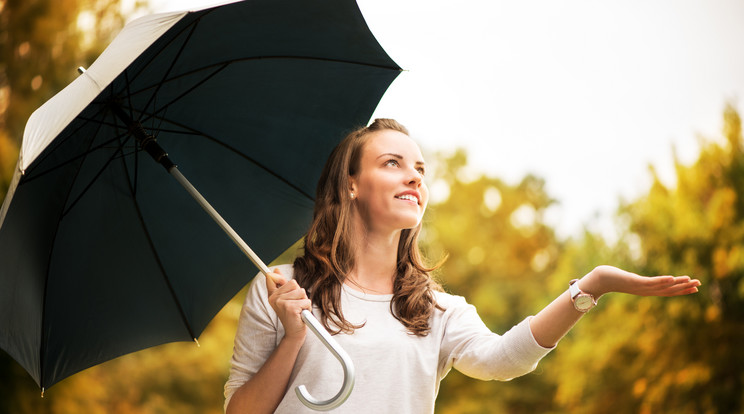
(564, 135)
(586, 94)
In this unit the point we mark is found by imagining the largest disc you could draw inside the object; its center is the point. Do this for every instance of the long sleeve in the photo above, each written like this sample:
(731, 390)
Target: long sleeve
(395, 371)
(258, 334)
(471, 348)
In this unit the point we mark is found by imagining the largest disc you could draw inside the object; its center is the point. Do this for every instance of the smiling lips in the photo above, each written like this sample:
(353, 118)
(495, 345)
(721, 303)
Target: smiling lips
(410, 196)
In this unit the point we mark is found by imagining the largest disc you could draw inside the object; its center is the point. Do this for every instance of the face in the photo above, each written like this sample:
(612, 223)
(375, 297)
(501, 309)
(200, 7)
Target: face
(389, 186)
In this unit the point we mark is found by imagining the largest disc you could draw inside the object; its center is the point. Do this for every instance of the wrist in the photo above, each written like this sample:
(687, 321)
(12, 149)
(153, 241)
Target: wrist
(592, 283)
(294, 341)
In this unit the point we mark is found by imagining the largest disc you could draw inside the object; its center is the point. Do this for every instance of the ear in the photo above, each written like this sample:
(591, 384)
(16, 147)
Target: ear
(353, 184)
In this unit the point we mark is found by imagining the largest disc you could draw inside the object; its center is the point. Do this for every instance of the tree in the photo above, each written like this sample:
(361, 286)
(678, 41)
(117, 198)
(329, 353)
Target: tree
(500, 254)
(42, 42)
(698, 227)
(682, 354)
(632, 354)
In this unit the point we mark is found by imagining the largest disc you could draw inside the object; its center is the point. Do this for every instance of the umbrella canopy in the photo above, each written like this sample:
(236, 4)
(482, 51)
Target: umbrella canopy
(101, 252)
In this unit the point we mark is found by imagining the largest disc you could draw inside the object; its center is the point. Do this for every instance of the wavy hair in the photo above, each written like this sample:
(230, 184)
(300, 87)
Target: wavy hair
(329, 254)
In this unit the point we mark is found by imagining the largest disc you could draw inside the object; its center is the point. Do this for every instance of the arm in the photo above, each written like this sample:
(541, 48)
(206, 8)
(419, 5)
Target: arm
(265, 390)
(555, 320)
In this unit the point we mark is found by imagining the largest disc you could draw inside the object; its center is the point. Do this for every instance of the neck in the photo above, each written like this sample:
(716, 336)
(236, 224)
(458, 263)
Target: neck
(375, 261)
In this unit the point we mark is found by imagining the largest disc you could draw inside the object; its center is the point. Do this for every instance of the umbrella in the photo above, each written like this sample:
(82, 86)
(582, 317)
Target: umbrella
(101, 252)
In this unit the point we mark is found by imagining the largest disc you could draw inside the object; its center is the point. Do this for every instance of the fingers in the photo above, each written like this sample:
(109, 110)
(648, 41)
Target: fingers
(290, 291)
(294, 307)
(287, 296)
(288, 300)
(683, 286)
(670, 286)
(274, 280)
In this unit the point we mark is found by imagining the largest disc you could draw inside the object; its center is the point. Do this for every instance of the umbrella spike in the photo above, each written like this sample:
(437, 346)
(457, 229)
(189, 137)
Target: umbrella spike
(197, 343)
(42, 392)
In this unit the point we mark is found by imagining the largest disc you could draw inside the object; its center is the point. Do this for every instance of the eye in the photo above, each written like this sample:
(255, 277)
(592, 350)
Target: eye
(421, 170)
(392, 162)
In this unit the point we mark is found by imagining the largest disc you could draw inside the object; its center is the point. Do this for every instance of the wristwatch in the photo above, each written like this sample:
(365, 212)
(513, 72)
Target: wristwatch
(582, 301)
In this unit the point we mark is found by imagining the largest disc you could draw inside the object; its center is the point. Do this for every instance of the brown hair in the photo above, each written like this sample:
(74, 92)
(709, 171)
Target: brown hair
(328, 252)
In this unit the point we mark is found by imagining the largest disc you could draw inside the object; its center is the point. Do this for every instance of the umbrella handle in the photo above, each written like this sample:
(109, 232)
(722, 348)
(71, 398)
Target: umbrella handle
(342, 357)
(307, 317)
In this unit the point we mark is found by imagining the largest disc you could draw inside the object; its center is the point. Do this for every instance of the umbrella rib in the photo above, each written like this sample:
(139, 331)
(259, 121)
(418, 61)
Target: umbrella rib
(191, 131)
(267, 57)
(154, 251)
(176, 36)
(99, 122)
(172, 65)
(60, 141)
(115, 155)
(176, 99)
(73, 159)
(102, 123)
(57, 143)
(43, 347)
(98, 174)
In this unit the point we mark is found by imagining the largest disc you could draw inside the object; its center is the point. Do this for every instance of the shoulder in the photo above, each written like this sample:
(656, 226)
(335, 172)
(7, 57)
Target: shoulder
(448, 300)
(455, 319)
(286, 270)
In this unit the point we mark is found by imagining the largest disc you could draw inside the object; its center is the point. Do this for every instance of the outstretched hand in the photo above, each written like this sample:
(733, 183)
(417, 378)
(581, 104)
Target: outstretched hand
(605, 279)
(556, 319)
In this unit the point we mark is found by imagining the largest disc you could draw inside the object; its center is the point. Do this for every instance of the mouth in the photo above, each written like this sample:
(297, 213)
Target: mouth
(409, 197)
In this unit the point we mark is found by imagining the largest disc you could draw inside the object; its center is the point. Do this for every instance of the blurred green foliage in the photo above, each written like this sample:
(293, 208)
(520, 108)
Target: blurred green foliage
(42, 43)
(501, 253)
(630, 355)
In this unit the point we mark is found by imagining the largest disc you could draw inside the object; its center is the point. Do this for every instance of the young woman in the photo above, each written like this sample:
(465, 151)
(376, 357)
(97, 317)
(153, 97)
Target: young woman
(363, 277)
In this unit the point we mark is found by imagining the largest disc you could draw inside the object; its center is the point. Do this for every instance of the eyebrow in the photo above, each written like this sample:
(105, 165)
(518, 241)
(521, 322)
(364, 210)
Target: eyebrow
(398, 156)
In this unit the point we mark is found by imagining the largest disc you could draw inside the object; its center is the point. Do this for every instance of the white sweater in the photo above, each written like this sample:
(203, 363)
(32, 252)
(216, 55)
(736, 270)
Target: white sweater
(396, 372)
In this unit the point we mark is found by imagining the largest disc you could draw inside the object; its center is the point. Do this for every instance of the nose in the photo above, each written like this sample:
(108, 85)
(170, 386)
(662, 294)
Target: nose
(415, 177)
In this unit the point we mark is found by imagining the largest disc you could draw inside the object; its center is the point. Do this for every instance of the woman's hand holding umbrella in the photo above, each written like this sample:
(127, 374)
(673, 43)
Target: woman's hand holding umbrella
(288, 300)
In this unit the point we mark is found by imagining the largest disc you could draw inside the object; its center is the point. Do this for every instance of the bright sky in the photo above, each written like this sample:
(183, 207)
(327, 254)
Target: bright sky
(585, 94)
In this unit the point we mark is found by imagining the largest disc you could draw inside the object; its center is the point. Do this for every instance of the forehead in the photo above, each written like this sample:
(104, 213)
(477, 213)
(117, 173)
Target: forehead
(389, 141)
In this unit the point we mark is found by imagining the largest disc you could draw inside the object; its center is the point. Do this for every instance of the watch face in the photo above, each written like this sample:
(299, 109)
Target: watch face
(584, 302)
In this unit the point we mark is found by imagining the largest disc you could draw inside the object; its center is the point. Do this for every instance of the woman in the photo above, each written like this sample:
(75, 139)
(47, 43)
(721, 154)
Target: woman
(362, 275)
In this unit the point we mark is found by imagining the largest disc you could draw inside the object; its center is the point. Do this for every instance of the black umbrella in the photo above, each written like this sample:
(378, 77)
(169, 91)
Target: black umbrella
(101, 252)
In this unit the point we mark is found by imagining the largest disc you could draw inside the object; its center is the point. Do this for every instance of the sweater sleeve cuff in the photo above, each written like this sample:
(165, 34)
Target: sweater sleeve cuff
(525, 348)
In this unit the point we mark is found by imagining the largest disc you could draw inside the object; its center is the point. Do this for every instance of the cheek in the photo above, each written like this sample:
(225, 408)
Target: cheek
(370, 195)
(425, 195)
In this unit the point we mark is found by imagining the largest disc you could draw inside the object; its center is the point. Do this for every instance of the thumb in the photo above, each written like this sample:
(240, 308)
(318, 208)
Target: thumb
(274, 280)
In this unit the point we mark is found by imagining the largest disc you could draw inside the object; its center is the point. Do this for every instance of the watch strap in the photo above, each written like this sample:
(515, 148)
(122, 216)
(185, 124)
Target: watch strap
(573, 288)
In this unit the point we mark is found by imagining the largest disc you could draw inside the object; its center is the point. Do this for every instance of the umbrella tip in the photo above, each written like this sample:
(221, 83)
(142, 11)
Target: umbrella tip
(42, 392)
(81, 70)
(197, 343)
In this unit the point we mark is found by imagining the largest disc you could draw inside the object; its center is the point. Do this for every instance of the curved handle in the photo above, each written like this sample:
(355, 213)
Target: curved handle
(342, 357)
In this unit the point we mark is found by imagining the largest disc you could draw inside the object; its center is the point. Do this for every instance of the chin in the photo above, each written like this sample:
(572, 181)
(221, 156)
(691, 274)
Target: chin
(410, 224)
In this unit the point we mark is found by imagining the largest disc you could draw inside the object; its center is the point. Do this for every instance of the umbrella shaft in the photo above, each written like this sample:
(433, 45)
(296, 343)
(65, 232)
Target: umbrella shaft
(176, 173)
(150, 144)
